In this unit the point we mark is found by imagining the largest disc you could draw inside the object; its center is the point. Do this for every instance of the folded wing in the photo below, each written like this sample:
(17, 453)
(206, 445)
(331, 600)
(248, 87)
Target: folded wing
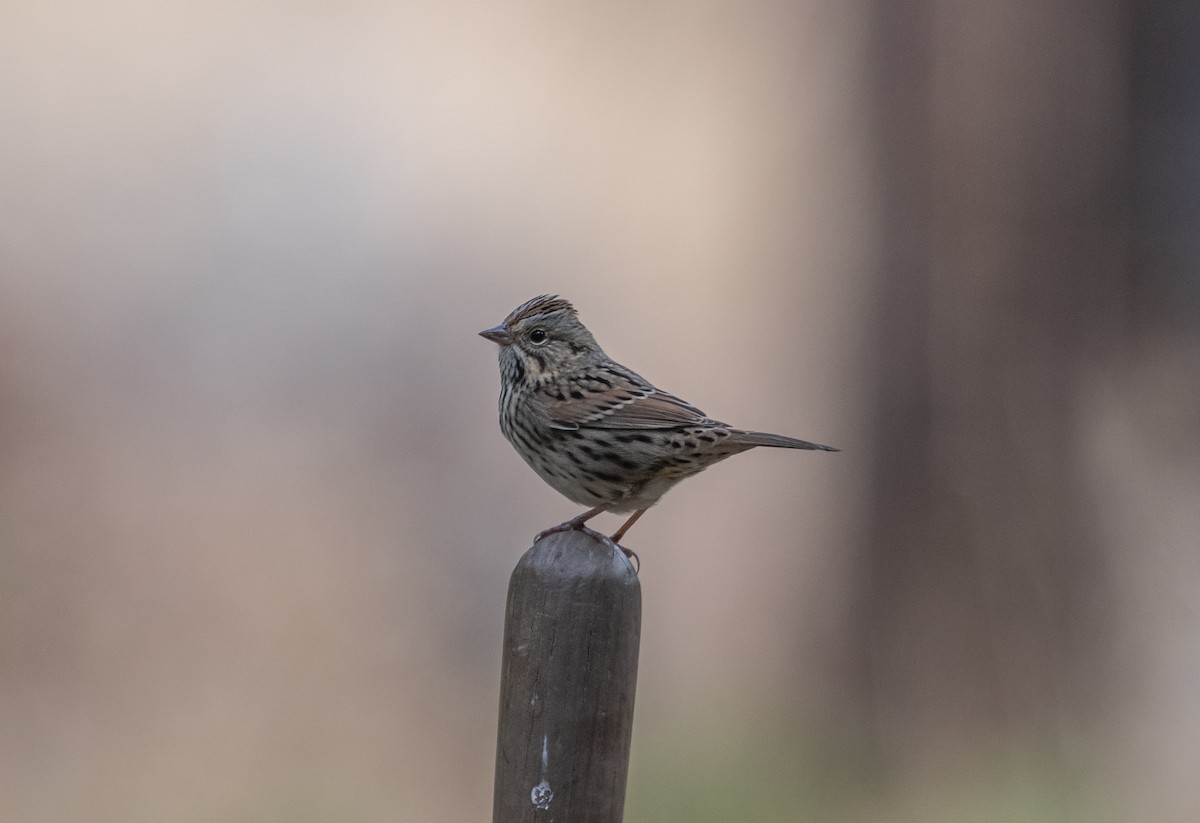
(612, 397)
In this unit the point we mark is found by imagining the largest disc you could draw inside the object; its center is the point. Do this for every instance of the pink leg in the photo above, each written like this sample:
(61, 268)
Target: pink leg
(616, 538)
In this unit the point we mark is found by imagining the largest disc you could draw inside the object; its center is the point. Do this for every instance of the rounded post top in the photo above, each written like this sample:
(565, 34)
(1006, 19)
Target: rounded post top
(577, 555)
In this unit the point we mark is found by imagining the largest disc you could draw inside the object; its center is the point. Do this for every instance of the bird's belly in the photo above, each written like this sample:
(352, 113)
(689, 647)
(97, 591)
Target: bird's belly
(585, 483)
(627, 482)
(594, 467)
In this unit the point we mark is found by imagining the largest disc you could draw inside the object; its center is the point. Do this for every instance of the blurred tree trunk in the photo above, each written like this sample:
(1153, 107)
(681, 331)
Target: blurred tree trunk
(1004, 277)
(1165, 136)
(1153, 483)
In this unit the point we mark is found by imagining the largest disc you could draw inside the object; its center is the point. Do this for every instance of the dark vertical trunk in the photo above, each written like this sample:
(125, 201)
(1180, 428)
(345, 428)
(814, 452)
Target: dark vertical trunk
(1003, 173)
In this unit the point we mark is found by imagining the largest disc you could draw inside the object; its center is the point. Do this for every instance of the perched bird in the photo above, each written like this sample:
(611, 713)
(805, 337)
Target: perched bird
(598, 433)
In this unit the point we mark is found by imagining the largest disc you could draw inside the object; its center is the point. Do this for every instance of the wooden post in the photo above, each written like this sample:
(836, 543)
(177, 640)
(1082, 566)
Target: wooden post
(571, 633)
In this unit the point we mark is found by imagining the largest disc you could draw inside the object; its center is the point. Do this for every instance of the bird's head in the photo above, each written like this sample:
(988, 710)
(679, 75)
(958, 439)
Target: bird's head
(542, 338)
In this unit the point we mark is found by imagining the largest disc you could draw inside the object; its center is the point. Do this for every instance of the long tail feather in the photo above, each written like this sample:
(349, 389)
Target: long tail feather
(777, 441)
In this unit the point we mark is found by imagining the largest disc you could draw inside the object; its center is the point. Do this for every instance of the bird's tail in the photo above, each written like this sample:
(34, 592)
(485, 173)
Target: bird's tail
(777, 441)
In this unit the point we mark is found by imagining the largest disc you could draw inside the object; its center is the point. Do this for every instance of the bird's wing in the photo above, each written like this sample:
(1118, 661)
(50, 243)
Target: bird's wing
(615, 398)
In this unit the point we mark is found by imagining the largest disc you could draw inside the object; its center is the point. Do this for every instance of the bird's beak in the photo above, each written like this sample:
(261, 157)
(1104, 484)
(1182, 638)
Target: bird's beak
(498, 335)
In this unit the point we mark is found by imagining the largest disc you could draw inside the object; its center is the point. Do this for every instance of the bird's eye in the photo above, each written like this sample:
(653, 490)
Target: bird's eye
(537, 336)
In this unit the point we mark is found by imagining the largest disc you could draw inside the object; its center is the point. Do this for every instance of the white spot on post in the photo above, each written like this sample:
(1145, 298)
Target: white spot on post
(542, 794)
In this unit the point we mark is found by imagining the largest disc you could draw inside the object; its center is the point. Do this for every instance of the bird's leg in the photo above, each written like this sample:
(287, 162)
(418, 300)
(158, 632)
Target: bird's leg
(575, 523)
(616, 538)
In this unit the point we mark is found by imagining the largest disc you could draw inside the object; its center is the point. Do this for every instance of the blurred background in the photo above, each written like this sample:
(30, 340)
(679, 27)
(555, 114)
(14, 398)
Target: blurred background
(256, 514)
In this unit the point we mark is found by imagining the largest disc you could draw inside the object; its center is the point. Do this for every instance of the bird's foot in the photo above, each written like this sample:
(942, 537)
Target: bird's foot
(574, 524)
(631, 554)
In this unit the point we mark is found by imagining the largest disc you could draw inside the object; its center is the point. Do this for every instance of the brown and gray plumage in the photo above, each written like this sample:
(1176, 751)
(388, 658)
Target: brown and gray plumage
(597, 432)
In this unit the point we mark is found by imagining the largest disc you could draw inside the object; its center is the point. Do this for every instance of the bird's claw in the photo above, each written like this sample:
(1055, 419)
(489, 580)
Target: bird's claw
(542, 535)
(631, 554)
(570, 525)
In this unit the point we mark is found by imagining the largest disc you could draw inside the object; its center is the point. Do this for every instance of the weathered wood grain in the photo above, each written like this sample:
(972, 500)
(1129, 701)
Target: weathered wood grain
(569, 673)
